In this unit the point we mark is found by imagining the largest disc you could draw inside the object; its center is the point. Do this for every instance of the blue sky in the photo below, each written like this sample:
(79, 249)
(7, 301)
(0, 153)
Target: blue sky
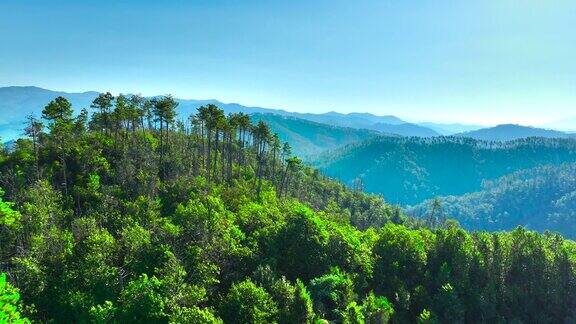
(483, 62)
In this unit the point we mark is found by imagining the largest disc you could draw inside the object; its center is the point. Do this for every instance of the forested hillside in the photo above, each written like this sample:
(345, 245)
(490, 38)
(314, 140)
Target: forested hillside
(542, 198)
(130, 216)
(410, 170)
(309, 139)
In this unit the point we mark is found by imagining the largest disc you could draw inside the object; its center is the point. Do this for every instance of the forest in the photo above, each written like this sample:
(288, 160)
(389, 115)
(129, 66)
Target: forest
(132, 215)
(409, 170)
(541, 198)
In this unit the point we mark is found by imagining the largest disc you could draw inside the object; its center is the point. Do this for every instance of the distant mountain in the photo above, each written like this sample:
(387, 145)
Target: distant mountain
(308, 138)
(509, 132)
(354, 120)
(404, 129)
(408, 170)
(382, 124)
(450, 129)
(18, 102)
(542, 198)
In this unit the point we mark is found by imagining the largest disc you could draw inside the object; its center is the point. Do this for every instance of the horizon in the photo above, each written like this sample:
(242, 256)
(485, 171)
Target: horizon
(406, 120)
(422, 122)
(483, 63)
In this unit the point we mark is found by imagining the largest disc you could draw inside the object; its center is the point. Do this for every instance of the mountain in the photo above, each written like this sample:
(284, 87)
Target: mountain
(389, 125)
(308, 138)
(541, 198)
(18, 102)
(450, 129)
(508, 132)
(409, 170)
(404, 129)
(355, 120)
(383, 124)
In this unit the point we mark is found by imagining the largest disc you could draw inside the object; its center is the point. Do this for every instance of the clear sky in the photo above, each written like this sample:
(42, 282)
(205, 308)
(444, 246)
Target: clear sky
(481, 61)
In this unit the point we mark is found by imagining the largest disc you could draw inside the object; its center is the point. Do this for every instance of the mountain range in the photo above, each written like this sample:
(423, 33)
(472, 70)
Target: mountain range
(17, 102)
(408, 170)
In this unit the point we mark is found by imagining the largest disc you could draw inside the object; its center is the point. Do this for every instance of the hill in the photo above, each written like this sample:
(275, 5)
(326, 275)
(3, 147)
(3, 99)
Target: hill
(410, 170)
(404, 129)
(541, 198)
(508, 132)
(354, 120)
(450, 128)
(16, 103)
(116, 220)
(308, 139)
(382, 124)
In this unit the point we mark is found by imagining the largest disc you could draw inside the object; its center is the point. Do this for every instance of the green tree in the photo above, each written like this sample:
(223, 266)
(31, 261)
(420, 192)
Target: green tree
(248, 303)
(103, 103)
(377, 309)
(165, 111)
(9, 303)
(332, 294)
(33, 130)
(8, 216)
(59, 114)
(142, 301)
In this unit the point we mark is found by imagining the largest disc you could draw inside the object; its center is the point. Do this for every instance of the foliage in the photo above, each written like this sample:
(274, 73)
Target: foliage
(248, 303)
(542, 198)
(8, 216)
(409, 170)
(141, 217)
(9, 297)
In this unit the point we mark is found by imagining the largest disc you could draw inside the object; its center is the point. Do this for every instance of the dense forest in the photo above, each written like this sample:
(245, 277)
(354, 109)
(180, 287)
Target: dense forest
(542, 198)
(130, 215)
(408, 170)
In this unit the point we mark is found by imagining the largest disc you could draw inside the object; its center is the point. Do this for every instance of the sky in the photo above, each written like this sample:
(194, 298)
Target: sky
(480, 62)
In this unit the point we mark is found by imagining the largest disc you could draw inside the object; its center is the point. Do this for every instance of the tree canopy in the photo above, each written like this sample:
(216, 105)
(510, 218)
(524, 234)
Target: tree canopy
(140, 217)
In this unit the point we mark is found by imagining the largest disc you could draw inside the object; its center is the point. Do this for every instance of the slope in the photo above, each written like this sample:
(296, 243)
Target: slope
(183, 228)
(308, 139)
(541, 198)
(409, 170)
